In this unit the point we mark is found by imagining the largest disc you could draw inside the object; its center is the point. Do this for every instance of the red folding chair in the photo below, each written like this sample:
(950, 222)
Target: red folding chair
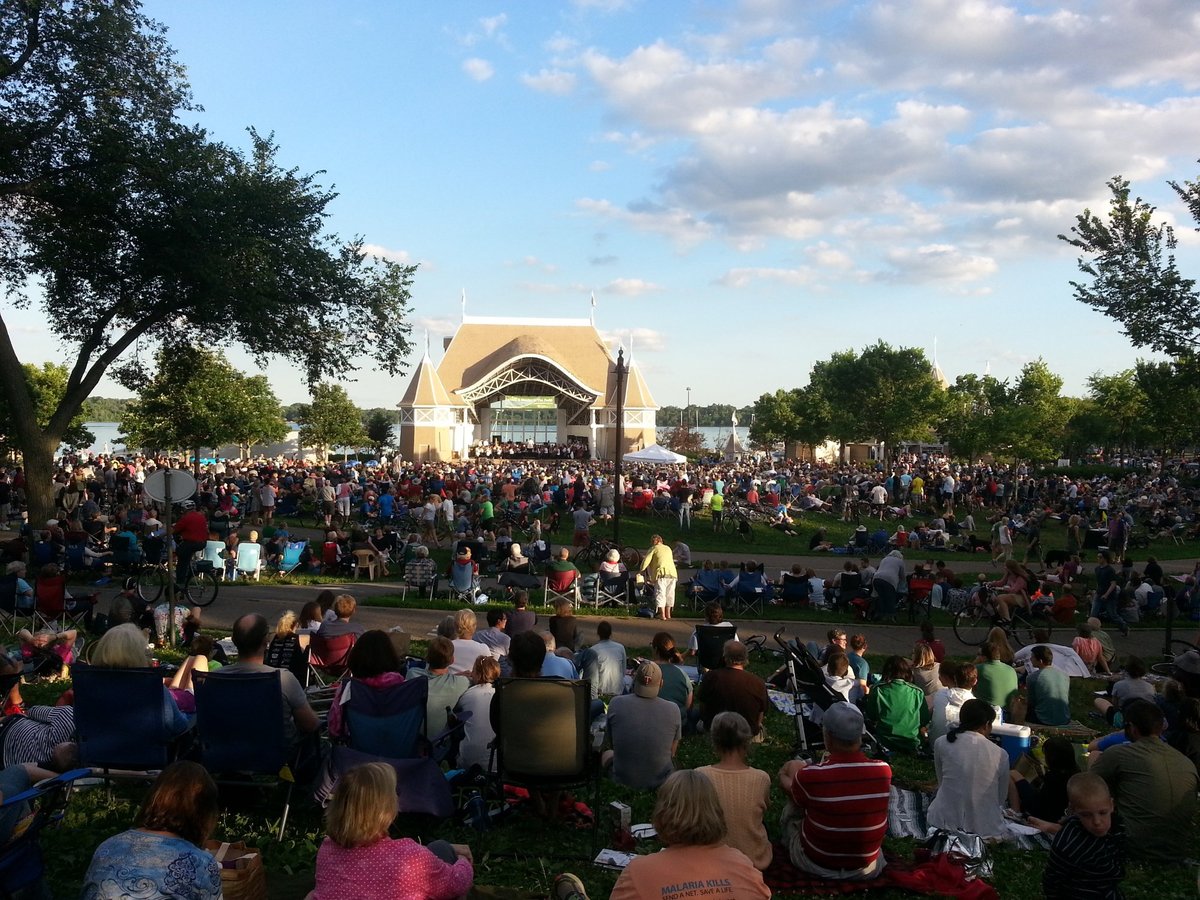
(329, 658)
(50, 608)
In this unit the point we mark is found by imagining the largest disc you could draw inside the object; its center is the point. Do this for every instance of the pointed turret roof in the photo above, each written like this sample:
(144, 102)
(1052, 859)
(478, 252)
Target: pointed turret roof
(426, 388)
(637, 394)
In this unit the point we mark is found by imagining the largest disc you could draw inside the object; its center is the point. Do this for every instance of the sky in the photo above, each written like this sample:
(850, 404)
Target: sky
(745, 187)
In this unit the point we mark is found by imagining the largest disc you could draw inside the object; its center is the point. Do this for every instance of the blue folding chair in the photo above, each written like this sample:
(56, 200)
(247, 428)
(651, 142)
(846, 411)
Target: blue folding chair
(22, 865)
(119, 720)
(388, 725)
(239, 726)
(290, 560)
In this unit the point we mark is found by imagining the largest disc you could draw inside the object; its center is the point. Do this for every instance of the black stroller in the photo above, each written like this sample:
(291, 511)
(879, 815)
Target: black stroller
(806, 680)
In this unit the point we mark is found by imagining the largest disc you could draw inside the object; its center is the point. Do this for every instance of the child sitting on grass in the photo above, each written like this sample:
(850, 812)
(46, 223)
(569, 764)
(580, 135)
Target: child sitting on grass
(1087, 858)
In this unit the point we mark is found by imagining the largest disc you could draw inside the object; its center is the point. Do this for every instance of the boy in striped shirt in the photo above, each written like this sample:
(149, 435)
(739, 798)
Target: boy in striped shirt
(836, 816)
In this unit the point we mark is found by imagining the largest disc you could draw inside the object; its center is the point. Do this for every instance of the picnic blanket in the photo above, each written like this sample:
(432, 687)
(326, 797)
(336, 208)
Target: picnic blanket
(939, 875)
(906, 819)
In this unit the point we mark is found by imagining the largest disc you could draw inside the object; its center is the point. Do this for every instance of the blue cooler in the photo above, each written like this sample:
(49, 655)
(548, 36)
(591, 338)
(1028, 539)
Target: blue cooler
(1015, 739)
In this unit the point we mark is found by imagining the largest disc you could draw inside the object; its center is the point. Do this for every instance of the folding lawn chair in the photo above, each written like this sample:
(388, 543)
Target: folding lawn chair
(249, 561)
(22, 864)
(543, 739)
(52, 609)
(328, 657)
(119, 720)
(562, 585)
(234, 746)
(290, 560)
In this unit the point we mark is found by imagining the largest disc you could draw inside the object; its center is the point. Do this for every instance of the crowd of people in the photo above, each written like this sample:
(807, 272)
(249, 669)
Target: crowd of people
(711, 819)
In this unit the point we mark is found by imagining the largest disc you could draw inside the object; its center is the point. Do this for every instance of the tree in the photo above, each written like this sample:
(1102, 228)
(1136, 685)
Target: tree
(969, 423)
(331, 420)
(379, 430)
(683, 439)
(884, 394)
(1123, 403)
(1172, 391)
(197, 399)
(798, 416)
(1035, 418)
(1131, 272)
(45, 385)
(137, 227)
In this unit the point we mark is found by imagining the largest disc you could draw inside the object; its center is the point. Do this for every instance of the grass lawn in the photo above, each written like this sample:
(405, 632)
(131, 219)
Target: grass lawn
(525, 852)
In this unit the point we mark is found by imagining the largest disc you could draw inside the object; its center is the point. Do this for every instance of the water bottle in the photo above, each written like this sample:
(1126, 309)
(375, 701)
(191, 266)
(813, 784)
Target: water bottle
(477, 812)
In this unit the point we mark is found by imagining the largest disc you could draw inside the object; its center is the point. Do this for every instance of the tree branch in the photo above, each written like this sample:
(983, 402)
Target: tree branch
(79, 391)
(32, 41)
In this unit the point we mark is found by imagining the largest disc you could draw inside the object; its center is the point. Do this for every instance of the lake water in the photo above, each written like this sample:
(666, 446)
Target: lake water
(107, 434)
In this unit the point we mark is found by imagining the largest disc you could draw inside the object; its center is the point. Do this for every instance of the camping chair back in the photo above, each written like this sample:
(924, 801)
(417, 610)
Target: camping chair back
(8, 594)
(154, 549)
(561, 582)
(119, 718)
(74, 561)
(710, 644)
(329, 655)
(387, 721)
(51, 596)
(462, 576)
(330, 554)
(794, 588)
(239, 722)
(249, 558)
(542, 738)
(21, 860)
(212, 553)
(291, 556)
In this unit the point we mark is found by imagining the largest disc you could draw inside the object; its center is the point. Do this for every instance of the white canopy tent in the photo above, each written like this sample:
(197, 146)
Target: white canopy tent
(655, 454)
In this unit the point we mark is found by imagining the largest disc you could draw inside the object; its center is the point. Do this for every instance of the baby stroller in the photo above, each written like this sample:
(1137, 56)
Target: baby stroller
(804, 677)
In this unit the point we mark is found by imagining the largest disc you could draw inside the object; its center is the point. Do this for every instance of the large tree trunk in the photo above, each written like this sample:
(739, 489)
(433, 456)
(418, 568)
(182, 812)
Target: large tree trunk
(39, 478)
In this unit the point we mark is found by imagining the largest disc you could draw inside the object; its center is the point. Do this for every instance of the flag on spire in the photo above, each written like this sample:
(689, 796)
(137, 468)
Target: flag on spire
(464, 303)
(593, 307)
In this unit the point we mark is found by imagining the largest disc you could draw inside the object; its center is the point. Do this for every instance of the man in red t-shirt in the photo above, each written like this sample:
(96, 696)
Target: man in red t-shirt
(836, 815)
(191, 533)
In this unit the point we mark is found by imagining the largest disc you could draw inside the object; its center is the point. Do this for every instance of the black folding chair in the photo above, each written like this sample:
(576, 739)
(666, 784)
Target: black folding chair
(119, 723)
(543, 739)
(239, 725)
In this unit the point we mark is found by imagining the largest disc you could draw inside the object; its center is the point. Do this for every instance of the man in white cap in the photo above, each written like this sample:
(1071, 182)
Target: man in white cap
(644, 730)
(835, 819)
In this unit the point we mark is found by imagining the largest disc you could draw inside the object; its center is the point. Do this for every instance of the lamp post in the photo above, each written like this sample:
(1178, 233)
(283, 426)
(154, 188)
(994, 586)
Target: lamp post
(618, 487)
(689, 398)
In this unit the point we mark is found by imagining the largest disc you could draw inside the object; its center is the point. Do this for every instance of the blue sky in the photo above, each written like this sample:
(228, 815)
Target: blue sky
(747, 187)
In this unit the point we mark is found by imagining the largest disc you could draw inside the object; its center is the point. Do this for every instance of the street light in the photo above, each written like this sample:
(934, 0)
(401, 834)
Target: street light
(689, 398)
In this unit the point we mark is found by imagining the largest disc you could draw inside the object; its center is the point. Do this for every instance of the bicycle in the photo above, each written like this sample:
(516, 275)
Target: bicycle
(199, 587)
(1176, 648)
(597, 551)
(738, 522)
(979, 616)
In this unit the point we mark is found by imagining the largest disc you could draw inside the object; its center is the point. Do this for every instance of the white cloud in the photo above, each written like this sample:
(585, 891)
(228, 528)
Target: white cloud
(599, 165)
(608, 6)
(631, 287)
(397, 256)
(743, 277)
(551, 288)
(678, 225)
(550, 81)
(437, 327)
(942, 263)
(533, 262)
(491, 25)
(478, 69)
(642, 339)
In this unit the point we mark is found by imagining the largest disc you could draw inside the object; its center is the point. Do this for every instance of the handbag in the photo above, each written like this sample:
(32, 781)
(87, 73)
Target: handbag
(243, 876)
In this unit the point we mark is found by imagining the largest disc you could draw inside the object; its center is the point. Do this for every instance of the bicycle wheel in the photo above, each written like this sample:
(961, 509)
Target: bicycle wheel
(632, 557)
(729, 523)
(746, 530)
(1024, 628)
(971, 626)
(201, 589)
(151, 583)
